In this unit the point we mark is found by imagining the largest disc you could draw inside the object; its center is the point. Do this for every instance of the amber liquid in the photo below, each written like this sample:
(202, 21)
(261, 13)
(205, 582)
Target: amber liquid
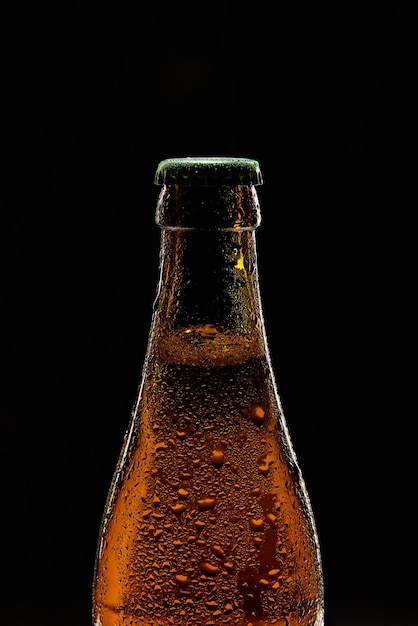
(208, 522)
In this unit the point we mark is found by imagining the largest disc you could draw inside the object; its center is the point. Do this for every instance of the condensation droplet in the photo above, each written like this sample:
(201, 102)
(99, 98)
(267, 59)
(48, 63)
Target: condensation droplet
(271, 519)
(217, 457)
(257, 541)
(255, 412)
(208, 331)
(199, 524)
(265, 465)
(206, 503)
(256, 524)
(211, 604)
(177, 508)
(208, 568)
(161, 446)
(218, 551)
(181, 579)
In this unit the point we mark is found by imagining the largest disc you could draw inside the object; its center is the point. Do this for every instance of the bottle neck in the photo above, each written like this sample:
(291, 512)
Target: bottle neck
(208, 294)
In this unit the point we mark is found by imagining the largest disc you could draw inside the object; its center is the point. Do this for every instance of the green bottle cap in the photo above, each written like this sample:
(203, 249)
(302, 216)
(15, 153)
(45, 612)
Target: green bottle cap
(207, 171)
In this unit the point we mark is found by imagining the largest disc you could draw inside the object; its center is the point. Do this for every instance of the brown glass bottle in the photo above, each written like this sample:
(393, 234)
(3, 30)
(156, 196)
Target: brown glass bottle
(208, 521)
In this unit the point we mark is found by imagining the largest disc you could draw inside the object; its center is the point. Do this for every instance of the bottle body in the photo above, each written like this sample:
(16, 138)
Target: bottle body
(208, 521)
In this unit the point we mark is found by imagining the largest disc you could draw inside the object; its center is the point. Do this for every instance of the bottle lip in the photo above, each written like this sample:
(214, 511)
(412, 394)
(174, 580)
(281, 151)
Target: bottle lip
(208, 171)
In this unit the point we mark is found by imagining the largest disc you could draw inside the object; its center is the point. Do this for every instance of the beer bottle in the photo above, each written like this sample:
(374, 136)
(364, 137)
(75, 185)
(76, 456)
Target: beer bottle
(208, 521)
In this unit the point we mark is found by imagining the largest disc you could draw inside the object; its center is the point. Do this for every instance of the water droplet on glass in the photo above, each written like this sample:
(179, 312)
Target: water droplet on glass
(257, 541)
(256, 524)
(177, 508)
(208, 331)
(217, 457)
(271, 519)
(181, 579)
(255, 412)
(218, 551)
(211, 604)
(208, 568)
(199, 524)
(206, 503)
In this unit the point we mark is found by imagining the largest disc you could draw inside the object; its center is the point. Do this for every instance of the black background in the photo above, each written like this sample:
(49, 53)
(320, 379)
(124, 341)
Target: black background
(94, 94)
